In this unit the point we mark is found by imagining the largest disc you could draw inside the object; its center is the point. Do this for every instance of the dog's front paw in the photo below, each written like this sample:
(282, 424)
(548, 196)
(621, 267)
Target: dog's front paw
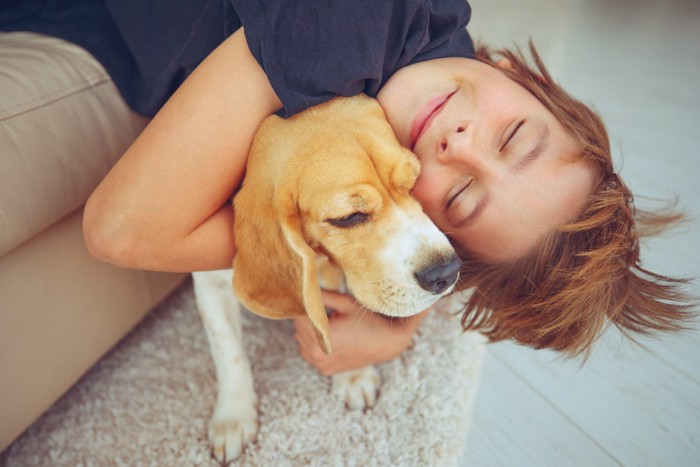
(358, 388)
(228, 434)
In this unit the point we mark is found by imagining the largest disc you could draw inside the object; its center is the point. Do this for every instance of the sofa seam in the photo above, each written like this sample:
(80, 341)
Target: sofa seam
(52, 98)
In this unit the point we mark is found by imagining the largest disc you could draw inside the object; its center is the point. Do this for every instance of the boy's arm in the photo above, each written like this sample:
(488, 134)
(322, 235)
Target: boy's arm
(164, 205)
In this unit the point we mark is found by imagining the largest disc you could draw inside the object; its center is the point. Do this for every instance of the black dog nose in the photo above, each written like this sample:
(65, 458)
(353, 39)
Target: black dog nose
(437, 277)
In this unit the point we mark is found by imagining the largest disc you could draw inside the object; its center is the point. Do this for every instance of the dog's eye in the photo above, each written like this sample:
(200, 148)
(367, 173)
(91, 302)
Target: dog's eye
(350, 220)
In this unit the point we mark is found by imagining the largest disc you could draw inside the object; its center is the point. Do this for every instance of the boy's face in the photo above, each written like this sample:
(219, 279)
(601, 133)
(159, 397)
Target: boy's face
(496, 166)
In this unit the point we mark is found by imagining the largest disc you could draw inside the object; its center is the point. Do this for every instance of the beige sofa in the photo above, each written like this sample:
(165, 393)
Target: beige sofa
(62, 126)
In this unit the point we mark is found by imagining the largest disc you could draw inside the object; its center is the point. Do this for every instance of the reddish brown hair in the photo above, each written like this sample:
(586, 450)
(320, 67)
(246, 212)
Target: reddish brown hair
(584, 274)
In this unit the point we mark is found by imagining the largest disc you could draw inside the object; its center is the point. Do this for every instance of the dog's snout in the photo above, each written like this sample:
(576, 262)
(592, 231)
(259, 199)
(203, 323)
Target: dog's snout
(437, 277)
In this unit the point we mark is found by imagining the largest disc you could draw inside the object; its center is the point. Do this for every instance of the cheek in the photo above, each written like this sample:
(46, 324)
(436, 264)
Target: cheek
(426, 190)
(497, 241)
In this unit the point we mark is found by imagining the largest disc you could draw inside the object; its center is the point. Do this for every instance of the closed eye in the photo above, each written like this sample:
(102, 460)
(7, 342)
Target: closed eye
(453, 195)
(351, 220)
(511, 135)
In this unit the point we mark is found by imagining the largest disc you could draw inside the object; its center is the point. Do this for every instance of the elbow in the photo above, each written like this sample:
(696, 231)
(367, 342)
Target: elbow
(102, 246)
(108, 237)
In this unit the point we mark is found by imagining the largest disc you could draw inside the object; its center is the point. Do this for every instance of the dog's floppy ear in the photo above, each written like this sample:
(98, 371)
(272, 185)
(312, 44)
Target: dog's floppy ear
(310, 288)
(275, 272)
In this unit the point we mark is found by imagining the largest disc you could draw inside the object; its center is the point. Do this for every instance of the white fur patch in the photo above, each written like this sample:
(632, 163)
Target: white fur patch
(235, 419)
(414, 241)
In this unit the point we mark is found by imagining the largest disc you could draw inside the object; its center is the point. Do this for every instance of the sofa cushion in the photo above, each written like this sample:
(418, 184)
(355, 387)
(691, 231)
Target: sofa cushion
(62, 127)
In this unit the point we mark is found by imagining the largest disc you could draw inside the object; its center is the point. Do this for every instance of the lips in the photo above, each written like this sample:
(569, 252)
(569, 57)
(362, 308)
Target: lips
(426, 116)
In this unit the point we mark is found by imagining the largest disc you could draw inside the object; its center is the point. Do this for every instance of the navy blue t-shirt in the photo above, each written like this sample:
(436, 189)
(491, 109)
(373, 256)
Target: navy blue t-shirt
(311, 50)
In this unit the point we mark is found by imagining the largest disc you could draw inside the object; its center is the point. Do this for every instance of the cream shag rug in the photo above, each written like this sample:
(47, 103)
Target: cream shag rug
(148, 401)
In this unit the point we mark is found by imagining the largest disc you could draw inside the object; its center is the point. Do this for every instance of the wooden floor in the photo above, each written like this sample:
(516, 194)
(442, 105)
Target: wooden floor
(638, 63)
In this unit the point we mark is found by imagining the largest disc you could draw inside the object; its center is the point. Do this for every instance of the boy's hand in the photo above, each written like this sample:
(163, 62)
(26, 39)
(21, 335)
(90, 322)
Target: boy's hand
(359, 336)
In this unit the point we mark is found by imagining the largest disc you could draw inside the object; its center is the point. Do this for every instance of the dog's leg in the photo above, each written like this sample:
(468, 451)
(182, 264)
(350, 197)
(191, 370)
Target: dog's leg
(358, 388)
(235, 419)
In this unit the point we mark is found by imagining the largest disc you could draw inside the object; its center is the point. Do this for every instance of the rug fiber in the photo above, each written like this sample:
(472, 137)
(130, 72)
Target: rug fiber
(148, 401)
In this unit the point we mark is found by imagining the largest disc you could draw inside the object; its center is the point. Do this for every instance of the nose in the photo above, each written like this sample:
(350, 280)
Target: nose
(460, 145)
(439, 276)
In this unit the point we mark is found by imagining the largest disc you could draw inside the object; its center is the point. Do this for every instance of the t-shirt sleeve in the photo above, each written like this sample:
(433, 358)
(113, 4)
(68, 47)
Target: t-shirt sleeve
(314, 50)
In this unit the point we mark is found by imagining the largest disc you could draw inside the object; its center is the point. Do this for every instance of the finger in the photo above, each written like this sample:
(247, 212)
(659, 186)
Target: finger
(306, 350)
(307, 341)
(340, 302)
(317, 359)
(304, 334)
(301, 323)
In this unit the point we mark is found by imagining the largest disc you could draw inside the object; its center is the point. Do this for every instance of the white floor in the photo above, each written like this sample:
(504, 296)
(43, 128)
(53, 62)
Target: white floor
(638, 62)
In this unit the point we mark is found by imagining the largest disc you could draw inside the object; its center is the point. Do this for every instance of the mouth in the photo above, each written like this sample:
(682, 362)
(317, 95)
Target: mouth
(426, 116)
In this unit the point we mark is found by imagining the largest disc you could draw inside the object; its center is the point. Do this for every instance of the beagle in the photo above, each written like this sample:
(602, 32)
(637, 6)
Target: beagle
(325, 190)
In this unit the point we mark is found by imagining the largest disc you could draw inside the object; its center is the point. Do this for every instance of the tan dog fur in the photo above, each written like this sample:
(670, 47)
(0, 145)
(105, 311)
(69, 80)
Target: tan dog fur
(323, 169)
(329, 186)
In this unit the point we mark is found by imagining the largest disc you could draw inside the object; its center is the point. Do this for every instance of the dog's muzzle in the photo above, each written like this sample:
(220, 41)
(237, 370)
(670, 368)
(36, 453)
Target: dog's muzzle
(439, 276)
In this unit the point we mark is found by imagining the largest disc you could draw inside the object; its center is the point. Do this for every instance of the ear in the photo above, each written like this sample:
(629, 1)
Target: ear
(504, 64)
(311, 290)
(275, 273)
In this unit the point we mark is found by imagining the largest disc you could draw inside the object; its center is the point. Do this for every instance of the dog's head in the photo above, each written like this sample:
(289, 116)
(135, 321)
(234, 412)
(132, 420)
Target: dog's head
(334, 181)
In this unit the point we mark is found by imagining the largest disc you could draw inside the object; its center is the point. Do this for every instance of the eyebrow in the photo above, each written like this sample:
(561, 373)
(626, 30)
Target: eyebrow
(540, 146)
